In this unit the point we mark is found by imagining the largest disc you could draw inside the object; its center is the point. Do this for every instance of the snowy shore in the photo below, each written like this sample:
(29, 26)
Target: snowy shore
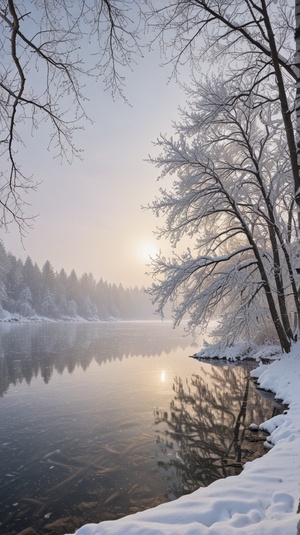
(262, 500)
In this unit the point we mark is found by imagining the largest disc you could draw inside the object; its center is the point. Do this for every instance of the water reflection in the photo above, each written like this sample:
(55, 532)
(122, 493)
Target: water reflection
(27, 351)
(83, 447)
(205, 435)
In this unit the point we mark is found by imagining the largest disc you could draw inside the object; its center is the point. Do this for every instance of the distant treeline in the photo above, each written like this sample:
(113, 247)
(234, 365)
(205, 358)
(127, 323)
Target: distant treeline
(29, 291)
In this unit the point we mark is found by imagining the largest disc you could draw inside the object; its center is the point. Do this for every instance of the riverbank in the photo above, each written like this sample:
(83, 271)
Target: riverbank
(263, 499)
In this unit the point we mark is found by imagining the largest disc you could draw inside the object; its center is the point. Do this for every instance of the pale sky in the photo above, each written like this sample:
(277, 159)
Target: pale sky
(90, 216)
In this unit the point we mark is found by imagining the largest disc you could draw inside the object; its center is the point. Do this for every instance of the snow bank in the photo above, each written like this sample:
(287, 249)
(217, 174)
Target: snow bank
(237, 352)
(262, 500)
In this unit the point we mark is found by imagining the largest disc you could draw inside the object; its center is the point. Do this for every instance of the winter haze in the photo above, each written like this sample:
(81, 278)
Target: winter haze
(89, 214)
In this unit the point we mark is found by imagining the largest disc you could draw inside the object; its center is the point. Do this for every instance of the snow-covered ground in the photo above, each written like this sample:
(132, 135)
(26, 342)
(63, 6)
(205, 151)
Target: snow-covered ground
(262, 500)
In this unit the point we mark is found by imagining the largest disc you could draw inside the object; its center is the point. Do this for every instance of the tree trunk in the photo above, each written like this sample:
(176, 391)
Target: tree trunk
(297, 65)
(286, 113)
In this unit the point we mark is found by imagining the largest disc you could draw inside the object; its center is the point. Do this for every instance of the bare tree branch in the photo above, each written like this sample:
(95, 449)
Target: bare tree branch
(47, 50)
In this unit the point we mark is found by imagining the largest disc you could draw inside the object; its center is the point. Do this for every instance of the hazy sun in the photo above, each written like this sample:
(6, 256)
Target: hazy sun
(147, 250)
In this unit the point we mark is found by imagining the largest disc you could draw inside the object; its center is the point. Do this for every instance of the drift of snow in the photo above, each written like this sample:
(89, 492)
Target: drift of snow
(262, 500)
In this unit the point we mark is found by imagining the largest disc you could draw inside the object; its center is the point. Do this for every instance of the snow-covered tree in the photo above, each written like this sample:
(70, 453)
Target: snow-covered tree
(48, 305)
(48, 276)
(61, 282)
(73, 286)
(246, 254)
(24, 303)
(32, 279)
(297, 70)
(232, 198)
(87, 309)
(13, 281)
(3, 298)
(250, 41)
(72, 309)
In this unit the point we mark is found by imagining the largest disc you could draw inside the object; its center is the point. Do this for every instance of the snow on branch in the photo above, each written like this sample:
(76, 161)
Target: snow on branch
(229, 199)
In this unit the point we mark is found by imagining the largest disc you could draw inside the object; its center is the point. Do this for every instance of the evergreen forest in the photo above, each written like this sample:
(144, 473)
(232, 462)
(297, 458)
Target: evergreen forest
(26, 291)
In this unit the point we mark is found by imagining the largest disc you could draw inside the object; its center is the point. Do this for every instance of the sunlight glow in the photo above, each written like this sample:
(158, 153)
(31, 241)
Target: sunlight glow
(163, 376)
(147, 250)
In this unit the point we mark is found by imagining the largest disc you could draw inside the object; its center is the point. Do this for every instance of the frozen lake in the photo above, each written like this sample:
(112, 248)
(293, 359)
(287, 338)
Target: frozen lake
(102, 420)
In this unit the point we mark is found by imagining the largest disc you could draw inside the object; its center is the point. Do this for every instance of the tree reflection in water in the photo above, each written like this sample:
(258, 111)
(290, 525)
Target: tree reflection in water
(30, 350)
(205, 435)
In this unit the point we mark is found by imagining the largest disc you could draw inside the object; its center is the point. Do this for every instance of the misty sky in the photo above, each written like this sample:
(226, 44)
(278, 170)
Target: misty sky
(90, 216)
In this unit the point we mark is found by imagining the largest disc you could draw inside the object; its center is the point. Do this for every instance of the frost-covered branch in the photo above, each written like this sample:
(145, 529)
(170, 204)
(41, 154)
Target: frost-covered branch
(228, 199)
(251, 42)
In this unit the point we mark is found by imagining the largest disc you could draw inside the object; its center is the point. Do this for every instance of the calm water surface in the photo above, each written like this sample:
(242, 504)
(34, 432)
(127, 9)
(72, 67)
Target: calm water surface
(103, 420)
